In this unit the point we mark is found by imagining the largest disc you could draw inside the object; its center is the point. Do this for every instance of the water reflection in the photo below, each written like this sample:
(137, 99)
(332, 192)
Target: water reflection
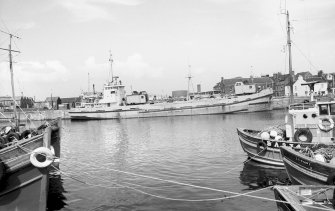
(257, 175)
(195, 150)
(56, 198)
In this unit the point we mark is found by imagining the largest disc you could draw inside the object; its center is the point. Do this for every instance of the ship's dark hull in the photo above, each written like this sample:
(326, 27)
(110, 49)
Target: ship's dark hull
(305, 170)
(24, 186)
(266, 151)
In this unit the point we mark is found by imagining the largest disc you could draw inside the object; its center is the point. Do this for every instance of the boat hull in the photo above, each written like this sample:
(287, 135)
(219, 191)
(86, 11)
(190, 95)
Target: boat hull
(22, 185)
(25, 189)
(304, 170)
(304, 197)
(271, 154)
(252, 103)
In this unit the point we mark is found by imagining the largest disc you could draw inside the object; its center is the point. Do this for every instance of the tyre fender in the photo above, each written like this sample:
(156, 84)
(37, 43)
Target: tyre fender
(261, 144)
(305, 132)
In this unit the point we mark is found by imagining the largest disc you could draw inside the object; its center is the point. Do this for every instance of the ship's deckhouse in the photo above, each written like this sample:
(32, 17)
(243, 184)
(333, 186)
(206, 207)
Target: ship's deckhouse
(114, 93)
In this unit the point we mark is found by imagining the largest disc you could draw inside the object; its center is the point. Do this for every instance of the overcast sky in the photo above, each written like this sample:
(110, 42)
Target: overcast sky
(154, 41)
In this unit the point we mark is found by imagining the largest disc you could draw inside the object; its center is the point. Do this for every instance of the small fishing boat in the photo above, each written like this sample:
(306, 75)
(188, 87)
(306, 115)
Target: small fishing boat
(26, 157)
(313, 165)
(306, 124)
(25, 166)
(305, 197)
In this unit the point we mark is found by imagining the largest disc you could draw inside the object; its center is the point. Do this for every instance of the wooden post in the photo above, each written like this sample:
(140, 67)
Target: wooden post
(45, 178)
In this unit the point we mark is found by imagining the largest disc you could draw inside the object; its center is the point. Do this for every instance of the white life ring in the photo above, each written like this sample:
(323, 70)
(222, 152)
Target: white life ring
(324, 127)
(44, 152)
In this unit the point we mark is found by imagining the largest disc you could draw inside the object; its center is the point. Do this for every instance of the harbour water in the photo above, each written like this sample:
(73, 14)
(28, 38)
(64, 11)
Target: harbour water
(156, 164)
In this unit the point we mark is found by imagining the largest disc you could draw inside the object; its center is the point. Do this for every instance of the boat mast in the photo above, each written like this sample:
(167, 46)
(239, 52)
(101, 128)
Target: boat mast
(111, 70)
(290, 57)
(11, 72)
(88, 82)
(188, 82)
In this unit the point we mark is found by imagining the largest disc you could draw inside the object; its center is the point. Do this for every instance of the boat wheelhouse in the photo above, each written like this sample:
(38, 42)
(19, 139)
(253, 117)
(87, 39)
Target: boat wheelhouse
(306, 124)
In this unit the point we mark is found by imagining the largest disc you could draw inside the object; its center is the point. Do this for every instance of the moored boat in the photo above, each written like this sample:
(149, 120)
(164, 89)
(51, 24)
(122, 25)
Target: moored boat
(113, 103)
(25, 166)
(306, 124)
(26, 156)
(313, 165)
(304, 197)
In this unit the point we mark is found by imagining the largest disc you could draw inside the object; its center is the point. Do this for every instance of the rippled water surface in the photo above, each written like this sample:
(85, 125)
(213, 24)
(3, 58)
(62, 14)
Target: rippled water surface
(103, 163)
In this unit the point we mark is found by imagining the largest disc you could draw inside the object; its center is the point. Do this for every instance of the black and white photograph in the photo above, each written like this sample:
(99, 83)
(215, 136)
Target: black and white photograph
(172, 105)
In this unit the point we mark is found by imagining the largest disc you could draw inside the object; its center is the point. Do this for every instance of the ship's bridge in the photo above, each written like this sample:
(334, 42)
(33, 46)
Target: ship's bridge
(113, 92)
(317, 117)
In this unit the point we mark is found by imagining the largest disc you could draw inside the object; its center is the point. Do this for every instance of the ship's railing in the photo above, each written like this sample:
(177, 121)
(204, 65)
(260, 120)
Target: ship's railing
(301, 106)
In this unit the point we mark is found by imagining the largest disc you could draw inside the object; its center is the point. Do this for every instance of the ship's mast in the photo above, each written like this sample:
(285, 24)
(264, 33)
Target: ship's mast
(189, 76)
(11, 73)
(88, 82)
(290, 57)
(111, 70)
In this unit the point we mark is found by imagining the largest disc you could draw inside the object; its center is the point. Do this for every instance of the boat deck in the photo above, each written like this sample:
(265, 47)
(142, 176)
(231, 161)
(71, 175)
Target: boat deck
(302, 198)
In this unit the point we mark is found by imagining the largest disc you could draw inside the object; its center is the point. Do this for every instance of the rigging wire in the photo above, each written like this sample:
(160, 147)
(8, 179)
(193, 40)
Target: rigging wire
(307, 59)
(4, 24)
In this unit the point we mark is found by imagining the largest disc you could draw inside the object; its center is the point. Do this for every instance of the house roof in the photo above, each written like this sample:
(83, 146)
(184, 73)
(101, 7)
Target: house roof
(70, 99)
(232, 81)
(303, 74)
(52, 99)
(315, 78)
(281, 77)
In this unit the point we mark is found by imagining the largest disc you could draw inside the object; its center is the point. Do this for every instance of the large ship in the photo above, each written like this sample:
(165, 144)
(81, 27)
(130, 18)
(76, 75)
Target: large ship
(113, 103)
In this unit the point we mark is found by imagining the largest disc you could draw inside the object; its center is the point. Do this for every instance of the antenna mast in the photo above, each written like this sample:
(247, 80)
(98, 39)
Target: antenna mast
(88, 82)
(290, 56)
(111, 70)
(11, 72)
(188, 82)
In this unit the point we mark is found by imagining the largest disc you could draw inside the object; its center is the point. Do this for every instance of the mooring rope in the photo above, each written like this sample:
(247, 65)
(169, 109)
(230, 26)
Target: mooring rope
(188, 177)
(168, 198)
(309, 198)
(201, 200)
(235, 194)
